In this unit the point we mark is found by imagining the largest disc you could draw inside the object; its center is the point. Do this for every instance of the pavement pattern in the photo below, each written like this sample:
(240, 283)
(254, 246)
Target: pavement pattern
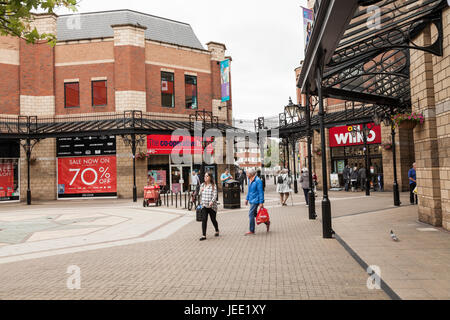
(156, 254)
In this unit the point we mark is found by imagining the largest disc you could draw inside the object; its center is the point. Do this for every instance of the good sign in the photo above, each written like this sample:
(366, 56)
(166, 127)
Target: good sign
(345, 136)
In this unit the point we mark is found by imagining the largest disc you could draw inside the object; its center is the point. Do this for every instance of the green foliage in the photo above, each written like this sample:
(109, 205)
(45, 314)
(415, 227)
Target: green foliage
(16, 16)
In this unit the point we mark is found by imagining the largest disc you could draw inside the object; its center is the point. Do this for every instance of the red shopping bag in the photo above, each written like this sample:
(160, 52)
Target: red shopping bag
(263, 216)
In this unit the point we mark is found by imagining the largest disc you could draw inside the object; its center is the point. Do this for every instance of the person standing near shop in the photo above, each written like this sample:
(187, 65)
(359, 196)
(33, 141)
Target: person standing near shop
(195, 182)
(346, 174)
(362, 175)
(304, 180)
(412, 184)
(208, 201)
(226, 176)
(354, 178)
(255, 197)
(241, 179)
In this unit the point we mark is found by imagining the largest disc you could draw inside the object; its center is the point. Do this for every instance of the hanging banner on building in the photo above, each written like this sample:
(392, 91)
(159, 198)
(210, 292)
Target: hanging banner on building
(165, 144)
(87, 177)
(308, 18)
(225, 79)
(6, 179)
(345, 136)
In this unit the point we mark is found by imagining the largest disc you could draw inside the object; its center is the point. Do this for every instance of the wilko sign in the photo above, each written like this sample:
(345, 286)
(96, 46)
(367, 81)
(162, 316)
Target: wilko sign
(165, 144)
(87, 177)
(343, 136)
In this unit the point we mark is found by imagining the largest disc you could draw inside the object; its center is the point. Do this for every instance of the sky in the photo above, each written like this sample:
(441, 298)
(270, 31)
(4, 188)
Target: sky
(264, 38)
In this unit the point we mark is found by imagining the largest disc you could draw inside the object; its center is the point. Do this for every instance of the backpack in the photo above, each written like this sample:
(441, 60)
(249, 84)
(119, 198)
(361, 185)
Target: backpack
(280, 180)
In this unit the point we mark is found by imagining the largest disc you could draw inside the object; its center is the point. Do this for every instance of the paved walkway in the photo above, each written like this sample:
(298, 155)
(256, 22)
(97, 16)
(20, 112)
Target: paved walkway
(127, 252)
(291, 262)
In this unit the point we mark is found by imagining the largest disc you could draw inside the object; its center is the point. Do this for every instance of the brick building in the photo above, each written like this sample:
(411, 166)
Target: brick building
(103, 63)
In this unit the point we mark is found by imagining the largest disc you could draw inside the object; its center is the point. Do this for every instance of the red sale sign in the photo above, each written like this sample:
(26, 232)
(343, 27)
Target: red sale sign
(344, 136)
(87, 175)
(166, 144)
(6, 179)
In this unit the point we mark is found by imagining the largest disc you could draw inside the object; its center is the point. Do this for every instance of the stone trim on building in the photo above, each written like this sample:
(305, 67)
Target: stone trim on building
(131, 100)
(37, 105)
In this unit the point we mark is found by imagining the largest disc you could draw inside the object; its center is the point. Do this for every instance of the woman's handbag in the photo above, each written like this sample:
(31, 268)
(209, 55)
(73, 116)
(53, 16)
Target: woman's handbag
(199, 213)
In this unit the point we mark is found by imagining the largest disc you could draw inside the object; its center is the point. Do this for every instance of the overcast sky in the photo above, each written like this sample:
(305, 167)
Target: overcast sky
(264, 38)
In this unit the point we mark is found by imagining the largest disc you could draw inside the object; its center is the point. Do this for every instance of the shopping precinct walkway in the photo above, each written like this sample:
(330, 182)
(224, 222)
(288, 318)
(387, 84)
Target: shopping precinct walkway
(127, 252)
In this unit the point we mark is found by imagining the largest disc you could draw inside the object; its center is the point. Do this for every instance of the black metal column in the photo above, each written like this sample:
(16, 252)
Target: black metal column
(294, 165)
(326, 204)
(133, 150)
(28, 153)
(366, 155)
(288, 157)
(394, 155)
(312, 197)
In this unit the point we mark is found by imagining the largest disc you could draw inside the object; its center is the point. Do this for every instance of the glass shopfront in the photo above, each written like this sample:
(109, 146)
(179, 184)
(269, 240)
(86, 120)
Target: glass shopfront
(347, 148)
(9, 171)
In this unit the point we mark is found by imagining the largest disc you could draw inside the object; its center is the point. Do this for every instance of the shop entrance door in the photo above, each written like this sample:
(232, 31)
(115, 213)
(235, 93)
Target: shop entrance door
(180, 177)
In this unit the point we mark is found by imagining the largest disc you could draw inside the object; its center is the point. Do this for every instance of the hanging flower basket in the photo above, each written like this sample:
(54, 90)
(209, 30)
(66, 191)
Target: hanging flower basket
(408, 120)
(318, 152)
(141, 155)
(387, 146)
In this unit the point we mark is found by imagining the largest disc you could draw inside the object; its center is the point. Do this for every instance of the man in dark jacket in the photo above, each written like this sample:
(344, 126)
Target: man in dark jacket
(362, 175)
(241, 178)
(346, 174)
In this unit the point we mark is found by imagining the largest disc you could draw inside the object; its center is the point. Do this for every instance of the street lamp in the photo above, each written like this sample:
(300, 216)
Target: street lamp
(293, 113)
(388, 122)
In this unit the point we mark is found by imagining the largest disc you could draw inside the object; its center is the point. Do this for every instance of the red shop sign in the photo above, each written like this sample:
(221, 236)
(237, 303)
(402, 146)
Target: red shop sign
(87, 175)
(343, 137)
(165, 144)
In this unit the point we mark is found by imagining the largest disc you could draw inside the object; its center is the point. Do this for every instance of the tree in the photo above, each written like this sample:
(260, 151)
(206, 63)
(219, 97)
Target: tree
(16, 16)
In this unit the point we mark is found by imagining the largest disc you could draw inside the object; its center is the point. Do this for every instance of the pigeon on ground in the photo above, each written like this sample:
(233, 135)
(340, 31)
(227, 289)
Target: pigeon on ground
(393, 236)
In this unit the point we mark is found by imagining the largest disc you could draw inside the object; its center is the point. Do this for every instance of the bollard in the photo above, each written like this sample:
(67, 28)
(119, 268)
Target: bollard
(171, 198)
(185, 200)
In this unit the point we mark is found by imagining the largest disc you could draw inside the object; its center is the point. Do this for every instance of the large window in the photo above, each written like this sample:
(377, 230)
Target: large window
(191, 92)
(99, 93)
(167, 90)
(71, 94)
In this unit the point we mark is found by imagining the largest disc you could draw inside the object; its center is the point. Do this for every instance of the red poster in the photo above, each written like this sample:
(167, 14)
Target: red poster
(6, 179)
(343, 137)
(165, 144)
(87, 175)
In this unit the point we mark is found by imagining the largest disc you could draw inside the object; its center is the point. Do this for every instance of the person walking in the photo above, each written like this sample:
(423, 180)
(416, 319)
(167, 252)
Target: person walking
(208, 201)
(412, 184)
(283, 186)
(255, 197)
(362, 175)
(241, 178)
(304, 180)
(346, 175)
(195, 182)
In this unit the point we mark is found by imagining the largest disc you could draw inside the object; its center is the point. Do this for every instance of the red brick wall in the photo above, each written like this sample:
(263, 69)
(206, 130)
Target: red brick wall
(37, 63)
(216, 89)
(85, 73)
(9, 89)
(129, 68)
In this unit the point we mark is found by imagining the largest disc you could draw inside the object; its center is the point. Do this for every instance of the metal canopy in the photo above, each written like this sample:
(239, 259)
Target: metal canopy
(351, 115)
(370, 60)
(129, 122)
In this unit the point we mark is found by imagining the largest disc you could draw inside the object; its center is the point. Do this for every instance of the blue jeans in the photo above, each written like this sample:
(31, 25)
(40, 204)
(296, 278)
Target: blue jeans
(252, 216)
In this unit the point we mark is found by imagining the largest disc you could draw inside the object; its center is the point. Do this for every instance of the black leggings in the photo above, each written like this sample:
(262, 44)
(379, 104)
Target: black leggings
(212, 213)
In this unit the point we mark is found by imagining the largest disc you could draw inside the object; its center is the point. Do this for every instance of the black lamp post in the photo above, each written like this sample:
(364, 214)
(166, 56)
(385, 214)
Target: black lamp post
(388, 122)
(294, 113)
(311, 195)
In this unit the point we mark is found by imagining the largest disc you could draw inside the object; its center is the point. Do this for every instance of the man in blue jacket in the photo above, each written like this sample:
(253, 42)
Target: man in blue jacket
(255, 197)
